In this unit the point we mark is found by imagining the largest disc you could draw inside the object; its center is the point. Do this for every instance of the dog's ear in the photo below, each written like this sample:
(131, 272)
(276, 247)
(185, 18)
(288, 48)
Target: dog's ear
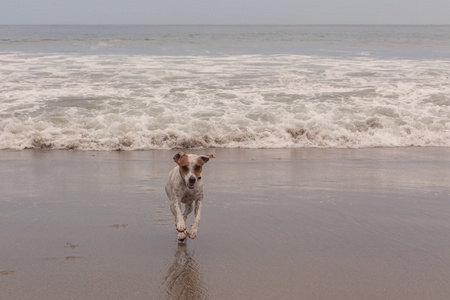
(206, 157)
(177, 156)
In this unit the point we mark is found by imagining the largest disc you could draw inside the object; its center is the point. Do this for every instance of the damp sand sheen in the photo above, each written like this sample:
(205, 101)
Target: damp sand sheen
(276, 224)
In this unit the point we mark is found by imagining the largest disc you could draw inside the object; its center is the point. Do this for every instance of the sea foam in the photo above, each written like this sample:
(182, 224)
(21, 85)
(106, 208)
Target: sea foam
(140, 102)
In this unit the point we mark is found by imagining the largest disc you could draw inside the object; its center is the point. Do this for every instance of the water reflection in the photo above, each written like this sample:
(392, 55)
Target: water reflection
(183, 279)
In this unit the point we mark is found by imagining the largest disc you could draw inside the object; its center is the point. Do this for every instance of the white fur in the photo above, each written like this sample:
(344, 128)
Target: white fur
(180, 190)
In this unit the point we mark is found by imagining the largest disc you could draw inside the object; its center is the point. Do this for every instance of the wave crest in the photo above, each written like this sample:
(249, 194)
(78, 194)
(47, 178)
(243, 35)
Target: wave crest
(119, 102)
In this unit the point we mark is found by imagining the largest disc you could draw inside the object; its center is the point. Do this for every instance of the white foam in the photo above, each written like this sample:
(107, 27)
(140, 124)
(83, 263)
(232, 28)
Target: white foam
(109, 102)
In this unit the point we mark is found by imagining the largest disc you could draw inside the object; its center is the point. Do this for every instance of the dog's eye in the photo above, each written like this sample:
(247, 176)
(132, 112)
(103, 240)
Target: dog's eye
(185, 168)
(197, 168)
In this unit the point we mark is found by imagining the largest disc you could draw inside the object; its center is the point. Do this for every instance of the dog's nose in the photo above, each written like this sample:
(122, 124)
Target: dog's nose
(192, 180)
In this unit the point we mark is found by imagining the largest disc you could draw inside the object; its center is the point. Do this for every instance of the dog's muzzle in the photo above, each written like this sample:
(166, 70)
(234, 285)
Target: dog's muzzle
(191, 182)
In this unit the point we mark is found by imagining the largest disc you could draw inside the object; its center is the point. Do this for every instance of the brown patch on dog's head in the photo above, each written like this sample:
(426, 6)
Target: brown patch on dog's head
(197, 168)
(199, 163)
(177, 156)
(183, 161)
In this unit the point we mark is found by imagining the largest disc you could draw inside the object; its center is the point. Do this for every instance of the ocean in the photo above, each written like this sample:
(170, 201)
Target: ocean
(124, 87)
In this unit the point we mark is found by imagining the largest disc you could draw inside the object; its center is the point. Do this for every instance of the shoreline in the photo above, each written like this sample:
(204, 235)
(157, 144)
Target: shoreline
(309, 223)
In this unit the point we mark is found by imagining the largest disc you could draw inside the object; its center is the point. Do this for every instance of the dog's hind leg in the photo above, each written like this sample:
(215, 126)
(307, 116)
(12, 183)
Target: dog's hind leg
(189, 207)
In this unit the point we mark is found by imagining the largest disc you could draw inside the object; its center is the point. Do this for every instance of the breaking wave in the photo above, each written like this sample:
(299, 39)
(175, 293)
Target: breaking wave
(140, 102)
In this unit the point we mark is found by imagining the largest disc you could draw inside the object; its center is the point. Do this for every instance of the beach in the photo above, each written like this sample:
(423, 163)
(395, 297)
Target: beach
(276, 224)
(331, 176)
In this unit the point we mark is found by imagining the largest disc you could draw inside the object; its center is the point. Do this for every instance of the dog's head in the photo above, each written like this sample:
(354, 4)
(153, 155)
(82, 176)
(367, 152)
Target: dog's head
(190, 166)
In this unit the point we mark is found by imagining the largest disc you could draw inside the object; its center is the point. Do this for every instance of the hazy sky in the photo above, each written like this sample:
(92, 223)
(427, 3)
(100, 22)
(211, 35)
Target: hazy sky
(225, 12)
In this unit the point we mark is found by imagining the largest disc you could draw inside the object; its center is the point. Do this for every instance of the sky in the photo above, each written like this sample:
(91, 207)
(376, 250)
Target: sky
(225, 12)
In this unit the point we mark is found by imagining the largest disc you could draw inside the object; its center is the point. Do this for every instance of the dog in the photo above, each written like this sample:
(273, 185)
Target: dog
(185, 185)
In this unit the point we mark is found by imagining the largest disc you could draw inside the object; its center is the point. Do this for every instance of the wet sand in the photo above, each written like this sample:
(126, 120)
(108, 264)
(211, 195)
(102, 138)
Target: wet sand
(276, 224)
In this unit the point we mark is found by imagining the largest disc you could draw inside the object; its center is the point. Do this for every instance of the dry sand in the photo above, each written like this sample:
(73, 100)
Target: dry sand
(277, 224)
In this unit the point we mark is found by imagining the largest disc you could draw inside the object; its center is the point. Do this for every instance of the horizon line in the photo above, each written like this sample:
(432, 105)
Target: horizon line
(226, 24)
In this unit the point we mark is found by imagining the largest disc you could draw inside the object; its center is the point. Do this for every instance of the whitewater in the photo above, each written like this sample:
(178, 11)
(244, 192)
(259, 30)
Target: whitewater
(176, 91)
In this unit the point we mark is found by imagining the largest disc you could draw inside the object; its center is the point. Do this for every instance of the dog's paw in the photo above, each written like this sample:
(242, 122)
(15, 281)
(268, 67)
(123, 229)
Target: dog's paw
(181, 226)
(181, 236)
(193, 232)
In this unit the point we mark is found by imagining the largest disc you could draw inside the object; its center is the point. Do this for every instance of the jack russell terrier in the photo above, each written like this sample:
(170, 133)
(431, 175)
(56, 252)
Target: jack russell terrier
(184, 185)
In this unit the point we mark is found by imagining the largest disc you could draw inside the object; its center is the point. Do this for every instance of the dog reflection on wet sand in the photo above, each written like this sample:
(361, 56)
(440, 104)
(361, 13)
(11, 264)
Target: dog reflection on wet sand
(183, 279)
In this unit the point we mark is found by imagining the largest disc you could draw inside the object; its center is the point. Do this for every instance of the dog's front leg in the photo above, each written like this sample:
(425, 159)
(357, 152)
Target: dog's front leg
(194, 227)
(179, 220)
